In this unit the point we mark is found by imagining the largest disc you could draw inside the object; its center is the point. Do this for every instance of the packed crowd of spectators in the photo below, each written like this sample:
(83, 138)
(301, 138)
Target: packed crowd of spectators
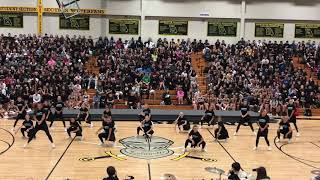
(135, 69)
(262, 73)
(43, 68)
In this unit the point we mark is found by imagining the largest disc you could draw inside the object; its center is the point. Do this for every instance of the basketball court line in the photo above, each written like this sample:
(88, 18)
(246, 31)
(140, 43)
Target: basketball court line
(224, 149)
(315, 144)
(93, 143)
(149, 170)
(292, 157)
(9, 145)
(54, 167)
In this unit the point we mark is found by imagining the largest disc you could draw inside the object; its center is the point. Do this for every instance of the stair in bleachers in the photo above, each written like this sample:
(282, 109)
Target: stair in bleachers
(198, 64)
(309, 71)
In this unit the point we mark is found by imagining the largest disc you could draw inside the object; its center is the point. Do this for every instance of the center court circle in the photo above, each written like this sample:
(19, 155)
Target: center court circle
(139, 147)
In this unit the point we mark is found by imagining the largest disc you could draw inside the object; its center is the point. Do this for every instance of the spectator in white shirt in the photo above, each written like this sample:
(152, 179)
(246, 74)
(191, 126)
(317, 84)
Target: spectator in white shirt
(36, 98)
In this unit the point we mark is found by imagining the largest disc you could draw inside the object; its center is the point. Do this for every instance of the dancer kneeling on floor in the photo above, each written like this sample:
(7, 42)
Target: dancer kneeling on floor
(146, 126)
(285, 129)
(26, 127)
(108, 132)
(208, 117)
(221, 132)
(182, 123)
(195, 139)
(75, 127)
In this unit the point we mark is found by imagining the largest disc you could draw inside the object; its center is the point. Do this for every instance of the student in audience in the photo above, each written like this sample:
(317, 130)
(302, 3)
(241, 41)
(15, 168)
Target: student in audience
(180, 95)
(166, 98)
(111, 174)
(236, 172)
(261, 173)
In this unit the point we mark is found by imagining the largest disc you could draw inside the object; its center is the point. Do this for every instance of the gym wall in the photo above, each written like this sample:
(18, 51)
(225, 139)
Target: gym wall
(245, 13)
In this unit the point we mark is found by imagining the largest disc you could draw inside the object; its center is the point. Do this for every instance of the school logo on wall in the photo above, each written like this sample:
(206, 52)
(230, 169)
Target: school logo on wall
(145, 148)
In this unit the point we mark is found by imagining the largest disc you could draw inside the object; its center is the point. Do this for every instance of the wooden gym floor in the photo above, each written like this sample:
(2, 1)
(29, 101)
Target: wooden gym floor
(38, 161)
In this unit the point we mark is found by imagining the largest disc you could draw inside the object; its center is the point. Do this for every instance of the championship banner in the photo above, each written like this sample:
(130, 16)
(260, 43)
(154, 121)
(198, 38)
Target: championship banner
(79, 22)
(307, 31)
(52, 10)
(19, 9)
(222, 29)
(11, 20)
(73, 11)
(124, 26)
(173, 27)
(269, 30)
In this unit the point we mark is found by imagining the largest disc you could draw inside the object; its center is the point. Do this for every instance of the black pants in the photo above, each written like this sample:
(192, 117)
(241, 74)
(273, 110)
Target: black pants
(262, 134)
(19, 116)
(23, 131)
(207, 120)
(141, 117)
(294, 121)
(83, 118)
(185, 127)
(202, 144)
(223, 134)
(105, 136)
(43, 127)
(279, 132)
(145, 130)
(78, 133)
(57, 116)
(245, 120)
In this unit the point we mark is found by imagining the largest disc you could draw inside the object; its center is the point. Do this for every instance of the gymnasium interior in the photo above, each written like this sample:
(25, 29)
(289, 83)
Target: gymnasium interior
(159, 89)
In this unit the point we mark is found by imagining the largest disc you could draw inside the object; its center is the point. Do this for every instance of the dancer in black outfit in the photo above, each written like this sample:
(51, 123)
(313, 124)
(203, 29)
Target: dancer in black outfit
(195, 139)
(106, 112)
(26, 127)
(108, 132)
(21, 107)
(59, 105)
(41, 124)
(263, 123)
(285, 129)
(245, 117)
(292, 116)
(221, 133)
(84, 115)
(145, 111)
(146, 126)
(182, 124)
(74, 127)
(208, 117)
